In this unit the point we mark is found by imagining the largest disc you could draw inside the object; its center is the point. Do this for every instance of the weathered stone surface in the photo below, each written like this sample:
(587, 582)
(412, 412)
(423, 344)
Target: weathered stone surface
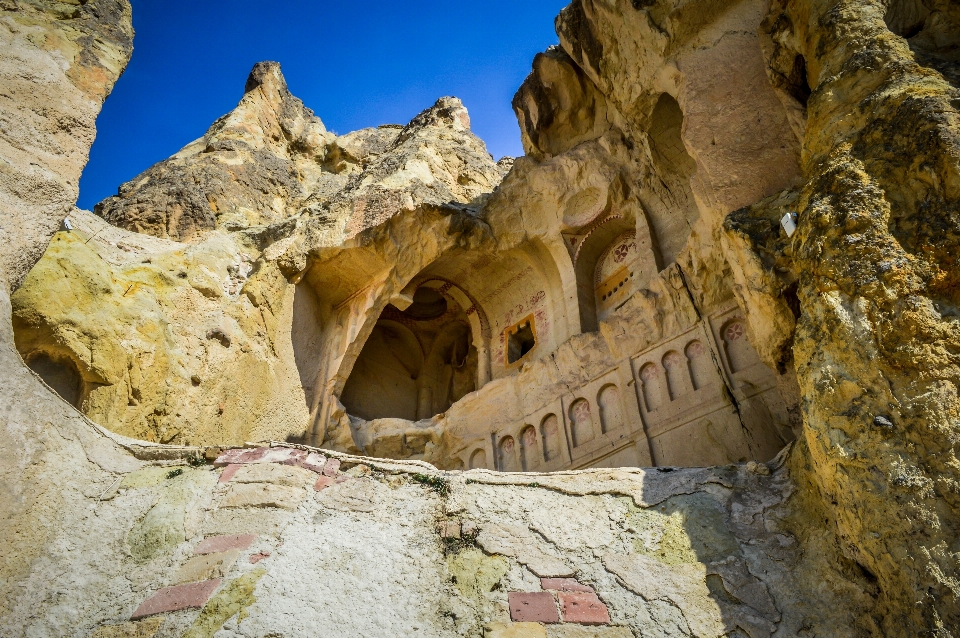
(254, 166)
(274, 473)
(58, 62)
(322, 482)
(515, 630)
(263, 495)
(580, 631)
(518, 542)
(564, 584)
(144, 629)
(664, 139)
(206, 566)
(239, 522)
(164, 526)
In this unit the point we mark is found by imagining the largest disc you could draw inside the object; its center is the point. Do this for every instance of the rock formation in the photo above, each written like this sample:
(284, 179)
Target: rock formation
(630, 293)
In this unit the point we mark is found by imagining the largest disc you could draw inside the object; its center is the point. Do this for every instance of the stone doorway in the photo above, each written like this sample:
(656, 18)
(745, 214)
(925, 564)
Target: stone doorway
(416, 363)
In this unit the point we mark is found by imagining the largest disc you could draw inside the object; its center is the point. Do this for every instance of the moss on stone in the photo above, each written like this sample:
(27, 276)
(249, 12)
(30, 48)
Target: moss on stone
(230, 601)
(683, 530)
(476, 574)
(162, 528)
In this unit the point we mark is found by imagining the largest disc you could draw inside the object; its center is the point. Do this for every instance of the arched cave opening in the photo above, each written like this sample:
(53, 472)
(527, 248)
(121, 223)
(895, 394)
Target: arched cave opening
(676, 213)
(61, 375)
(416, 363)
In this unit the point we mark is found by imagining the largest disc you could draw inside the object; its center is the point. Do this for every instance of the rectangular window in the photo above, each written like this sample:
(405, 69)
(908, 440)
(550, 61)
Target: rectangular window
(521, 339)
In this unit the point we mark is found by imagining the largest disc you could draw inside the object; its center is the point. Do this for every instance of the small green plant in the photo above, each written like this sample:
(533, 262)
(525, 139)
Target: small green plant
(437, 483)
(534, 485)
(175, 473)
(196, 460)
(455, 545)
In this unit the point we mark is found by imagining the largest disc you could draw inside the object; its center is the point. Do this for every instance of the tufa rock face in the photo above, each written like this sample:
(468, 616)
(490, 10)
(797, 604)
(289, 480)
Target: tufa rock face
(146, 332)
(877, 255)
(76, 51)
(271, 157)
(624, 295)
(254, 166)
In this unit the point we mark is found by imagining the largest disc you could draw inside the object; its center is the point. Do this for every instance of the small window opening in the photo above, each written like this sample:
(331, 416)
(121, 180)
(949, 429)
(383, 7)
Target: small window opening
(61, 375)
(520, 342)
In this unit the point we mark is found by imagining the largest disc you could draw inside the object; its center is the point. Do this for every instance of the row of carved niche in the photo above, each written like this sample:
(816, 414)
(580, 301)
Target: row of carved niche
(678, 374)
(536, 448)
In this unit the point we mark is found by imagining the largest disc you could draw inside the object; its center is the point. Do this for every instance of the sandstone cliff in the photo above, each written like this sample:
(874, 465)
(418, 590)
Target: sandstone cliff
(624, 295)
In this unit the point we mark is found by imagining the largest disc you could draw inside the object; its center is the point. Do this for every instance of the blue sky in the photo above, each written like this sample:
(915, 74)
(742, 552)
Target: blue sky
(356, 64)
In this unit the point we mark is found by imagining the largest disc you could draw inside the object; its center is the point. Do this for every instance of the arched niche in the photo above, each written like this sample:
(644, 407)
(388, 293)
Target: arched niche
(550, 435)
(678, 374)
(529, 449)
(417, 361)
(702, 370)
(581, 422)
(611, 412)
(598, 242)
(671, 205)
(450, 371)
(383, 382)
(474, 316)
(652, 387)
(509, 461)
(615, 274)
(478, 460)
(736, 344)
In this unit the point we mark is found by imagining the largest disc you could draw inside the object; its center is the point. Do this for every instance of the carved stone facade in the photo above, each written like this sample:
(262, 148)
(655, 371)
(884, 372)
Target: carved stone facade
(701, 397)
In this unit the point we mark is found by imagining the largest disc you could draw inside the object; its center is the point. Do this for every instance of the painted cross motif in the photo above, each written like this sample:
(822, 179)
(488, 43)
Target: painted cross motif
(734, 331)
(649, 372)
(672, 359)
(581, 412)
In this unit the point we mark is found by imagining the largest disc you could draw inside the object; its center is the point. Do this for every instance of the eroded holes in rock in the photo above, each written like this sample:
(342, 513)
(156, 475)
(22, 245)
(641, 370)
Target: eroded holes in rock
(416, 363)
(797, 84)
(521, 341)
(61, 375)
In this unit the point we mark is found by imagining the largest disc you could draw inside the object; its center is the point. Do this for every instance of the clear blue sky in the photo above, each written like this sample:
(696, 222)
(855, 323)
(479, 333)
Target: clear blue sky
(356, 64)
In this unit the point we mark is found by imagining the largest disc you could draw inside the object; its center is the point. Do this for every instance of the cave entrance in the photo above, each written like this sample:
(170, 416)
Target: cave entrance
(416, 363)
(61, 375)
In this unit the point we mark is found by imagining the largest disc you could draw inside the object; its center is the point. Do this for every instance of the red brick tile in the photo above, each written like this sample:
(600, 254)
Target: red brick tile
(331, 467)
(190, 596)
(322, 482)
(284, 455)
(565, 584)
(314, 462)
(292, 457)
(228, 472)
(240, 455)
(586, 609)
(225, 543)
(256, 558)
(537, 606)
(450, 529)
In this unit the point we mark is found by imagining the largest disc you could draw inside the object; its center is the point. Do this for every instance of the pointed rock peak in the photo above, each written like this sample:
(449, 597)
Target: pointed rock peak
(447, 111)
(268, 75)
